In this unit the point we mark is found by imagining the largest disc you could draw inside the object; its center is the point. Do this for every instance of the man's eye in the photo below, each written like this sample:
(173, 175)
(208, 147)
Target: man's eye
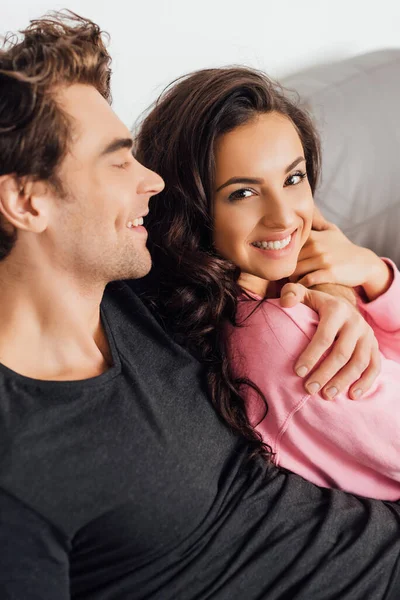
(240, 194)
(123, 165)
(296, 178)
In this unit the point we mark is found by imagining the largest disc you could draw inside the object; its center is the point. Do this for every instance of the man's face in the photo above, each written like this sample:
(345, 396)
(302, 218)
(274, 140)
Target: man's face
(94, 231)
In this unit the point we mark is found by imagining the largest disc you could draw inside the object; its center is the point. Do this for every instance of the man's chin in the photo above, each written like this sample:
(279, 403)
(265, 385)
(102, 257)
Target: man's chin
(140, 270)
(135, 270)
(143, 273)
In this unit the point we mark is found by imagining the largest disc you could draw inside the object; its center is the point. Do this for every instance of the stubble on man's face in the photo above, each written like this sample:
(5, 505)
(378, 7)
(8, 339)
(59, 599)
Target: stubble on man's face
(93, 248)
(103, 192)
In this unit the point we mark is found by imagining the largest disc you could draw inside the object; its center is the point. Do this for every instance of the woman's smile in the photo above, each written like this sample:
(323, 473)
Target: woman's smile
(278, 249)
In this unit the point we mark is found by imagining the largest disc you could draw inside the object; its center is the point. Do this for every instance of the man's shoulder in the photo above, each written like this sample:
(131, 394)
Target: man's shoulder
(129, 315)
(126, 297)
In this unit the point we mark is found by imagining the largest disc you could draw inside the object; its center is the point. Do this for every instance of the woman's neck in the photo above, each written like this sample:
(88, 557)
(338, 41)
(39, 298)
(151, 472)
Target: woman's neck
(261, 287)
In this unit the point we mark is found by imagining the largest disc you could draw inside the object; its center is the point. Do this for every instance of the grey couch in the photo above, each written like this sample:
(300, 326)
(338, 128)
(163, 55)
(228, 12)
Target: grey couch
(356, 105)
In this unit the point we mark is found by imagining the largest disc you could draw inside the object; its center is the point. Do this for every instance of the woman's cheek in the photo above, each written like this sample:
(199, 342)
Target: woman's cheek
(307, 211)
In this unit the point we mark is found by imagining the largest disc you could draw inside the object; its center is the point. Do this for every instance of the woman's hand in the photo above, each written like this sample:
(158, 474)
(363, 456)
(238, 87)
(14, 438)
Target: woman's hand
(329, 256)
(354, 359)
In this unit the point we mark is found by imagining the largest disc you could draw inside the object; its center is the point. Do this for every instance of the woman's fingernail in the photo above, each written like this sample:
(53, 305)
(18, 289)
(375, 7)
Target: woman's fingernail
(331, 392)
(357, 393)
(313, 388)
(301, 371)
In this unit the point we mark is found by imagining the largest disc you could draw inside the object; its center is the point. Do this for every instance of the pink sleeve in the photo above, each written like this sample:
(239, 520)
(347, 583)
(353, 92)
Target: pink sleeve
(352, 445)
(383, 314)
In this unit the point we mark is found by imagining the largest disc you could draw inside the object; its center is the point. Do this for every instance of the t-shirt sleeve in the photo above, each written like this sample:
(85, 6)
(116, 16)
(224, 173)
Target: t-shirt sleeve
(383, 315)
(352, 445)
(34, 561)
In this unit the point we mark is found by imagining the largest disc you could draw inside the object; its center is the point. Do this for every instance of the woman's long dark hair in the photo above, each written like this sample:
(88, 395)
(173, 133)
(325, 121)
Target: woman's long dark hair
(193, 290)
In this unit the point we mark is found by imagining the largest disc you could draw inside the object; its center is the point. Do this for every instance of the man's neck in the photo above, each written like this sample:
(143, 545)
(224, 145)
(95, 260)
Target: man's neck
(50, 326)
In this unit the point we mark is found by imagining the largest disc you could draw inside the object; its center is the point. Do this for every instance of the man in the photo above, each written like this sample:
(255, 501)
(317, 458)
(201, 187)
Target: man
(117, 477)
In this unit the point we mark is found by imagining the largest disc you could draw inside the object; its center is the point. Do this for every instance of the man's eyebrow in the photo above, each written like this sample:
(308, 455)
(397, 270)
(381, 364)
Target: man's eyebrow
(117, 144)
(255, 180)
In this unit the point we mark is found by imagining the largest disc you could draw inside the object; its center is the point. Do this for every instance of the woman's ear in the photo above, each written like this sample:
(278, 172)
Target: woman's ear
(24, 203)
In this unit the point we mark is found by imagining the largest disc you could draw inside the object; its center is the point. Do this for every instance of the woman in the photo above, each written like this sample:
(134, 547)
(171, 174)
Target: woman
(241, 161)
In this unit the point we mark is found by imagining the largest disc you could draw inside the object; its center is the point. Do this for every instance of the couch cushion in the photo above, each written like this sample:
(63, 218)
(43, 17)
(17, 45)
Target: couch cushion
(356, 106)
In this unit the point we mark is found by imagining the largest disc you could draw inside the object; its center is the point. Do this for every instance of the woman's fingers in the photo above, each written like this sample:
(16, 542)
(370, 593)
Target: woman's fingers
(319, 222)
(307, 265)
(319, 277)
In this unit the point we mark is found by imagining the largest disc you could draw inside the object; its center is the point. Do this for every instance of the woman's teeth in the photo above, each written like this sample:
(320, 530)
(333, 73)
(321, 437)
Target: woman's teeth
(279, 245)
(135, 223)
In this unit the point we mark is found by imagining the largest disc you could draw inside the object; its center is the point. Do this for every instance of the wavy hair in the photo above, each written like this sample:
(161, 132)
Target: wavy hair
(192, 288)
(57, 50)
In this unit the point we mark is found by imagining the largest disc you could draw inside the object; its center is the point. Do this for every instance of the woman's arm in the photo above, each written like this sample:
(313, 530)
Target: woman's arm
(378, 282)
(329, 256)
(329, 261)
(383, 314)
(351, 445)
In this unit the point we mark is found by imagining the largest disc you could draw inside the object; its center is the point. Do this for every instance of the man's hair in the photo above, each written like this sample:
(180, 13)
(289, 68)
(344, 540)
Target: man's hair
(58, 50)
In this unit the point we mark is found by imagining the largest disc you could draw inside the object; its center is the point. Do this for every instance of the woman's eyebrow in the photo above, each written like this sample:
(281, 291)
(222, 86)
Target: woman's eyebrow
(294, 164)
(256, 180)
(245, 180)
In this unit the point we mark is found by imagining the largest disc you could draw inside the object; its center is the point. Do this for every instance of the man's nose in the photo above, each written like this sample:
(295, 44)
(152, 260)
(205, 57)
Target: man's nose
(150, 182)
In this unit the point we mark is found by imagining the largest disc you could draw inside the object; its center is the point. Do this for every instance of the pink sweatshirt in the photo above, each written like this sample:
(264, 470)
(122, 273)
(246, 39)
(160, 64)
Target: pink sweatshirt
(349, 444)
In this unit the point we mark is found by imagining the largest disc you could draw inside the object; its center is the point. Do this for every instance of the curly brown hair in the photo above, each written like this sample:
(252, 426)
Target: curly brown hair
(192, 288)
(58, 50)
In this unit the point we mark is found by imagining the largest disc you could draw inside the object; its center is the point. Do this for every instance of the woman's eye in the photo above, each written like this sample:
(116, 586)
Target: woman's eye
(295, 178)
(241, 194)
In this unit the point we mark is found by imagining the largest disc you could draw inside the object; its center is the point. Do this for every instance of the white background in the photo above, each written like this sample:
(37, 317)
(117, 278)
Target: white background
(155, 41)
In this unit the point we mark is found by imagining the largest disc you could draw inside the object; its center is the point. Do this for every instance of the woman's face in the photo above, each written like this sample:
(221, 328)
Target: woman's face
(263, 204)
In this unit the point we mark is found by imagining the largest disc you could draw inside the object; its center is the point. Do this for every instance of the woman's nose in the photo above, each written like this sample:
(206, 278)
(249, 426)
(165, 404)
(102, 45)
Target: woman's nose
(278, 214)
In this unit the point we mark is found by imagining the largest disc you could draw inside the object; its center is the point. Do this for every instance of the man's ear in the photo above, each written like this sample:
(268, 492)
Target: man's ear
(24, 203)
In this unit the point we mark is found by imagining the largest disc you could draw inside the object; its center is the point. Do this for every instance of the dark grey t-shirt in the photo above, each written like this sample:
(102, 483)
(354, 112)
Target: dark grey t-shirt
(128, 486)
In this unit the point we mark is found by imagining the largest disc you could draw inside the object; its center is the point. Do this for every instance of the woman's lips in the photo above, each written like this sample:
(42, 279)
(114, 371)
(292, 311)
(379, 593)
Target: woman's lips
(278, 253)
